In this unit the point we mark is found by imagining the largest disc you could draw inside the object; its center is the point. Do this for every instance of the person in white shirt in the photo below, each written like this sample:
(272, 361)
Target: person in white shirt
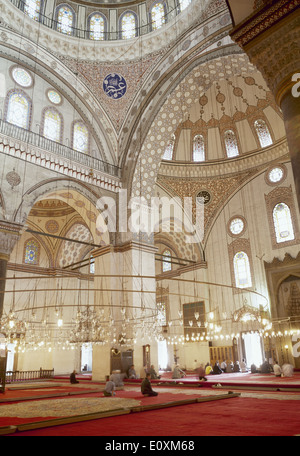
(277, 369)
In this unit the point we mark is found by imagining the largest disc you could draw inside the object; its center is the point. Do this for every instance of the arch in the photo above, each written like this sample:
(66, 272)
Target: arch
(76, 195)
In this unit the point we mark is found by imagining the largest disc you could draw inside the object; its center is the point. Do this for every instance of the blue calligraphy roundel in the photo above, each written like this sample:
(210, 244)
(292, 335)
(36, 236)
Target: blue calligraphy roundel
(114, 85)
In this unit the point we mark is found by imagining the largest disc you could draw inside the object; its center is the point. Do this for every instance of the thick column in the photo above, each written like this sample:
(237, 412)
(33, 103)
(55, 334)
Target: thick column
(9, 235)
(125, 286)
(270, 37)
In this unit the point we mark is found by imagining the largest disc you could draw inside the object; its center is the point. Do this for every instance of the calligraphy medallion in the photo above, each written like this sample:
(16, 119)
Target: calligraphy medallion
(114, 85)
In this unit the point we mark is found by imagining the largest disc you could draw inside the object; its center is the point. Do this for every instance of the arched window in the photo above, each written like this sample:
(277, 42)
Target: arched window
(198, 149)
(184, 4)
(128, 25)
(80, 137)
(167, 257)
(52, 125)
(168, 154)
(231, 144)
(157, 15)
(263, 133)
(31, 252)
(18, 109)
(283, 223)
(32, 8)
(97, 26)
(65, 19)
(242, 271)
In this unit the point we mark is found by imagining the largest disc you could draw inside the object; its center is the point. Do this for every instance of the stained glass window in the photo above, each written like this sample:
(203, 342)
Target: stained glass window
(32, 8)
(52, 125)
(168, 154)
(54, 97)
(236, 226)
(184, 4)
(128, 26)
(161, 313)
(21, 77)
(80, 137)
(198, 149)
(65, 18)
(157, 15)
(18, 110)
(242, 270)
(231, 144)
(167, 266)
(283, 223)
(263, 133)
(31, 252)
(275, 175)
(97, 26)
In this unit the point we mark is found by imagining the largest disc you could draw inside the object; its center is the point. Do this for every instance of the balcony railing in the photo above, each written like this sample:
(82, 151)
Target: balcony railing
(106, 36)
(66, 152)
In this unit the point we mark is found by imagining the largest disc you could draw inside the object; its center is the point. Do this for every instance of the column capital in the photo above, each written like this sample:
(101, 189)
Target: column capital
(10, 233)
(270, 37)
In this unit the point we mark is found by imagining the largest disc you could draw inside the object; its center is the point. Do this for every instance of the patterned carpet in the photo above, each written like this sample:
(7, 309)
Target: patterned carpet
(65, 407)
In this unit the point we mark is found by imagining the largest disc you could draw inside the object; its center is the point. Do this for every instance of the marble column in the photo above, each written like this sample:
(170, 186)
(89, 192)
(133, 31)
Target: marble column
(270, 37)
(9, 235)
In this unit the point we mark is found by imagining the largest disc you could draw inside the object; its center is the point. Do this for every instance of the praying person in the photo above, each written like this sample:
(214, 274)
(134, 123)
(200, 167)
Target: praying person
(73, 378)
(178, 373)
(153, 373)
(109, 389)
(146, 387)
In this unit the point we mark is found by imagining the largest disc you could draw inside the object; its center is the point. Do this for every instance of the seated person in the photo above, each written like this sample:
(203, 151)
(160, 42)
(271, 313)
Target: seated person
(236, 367)
(229, 367)
(178, 373)
(201, 373)
(217, 369)
(253, 369)
(243, 365)
(153, 373)
(288, 370)
(146, 387)
(223, 366)
(73, 377)
(117, 378)
(109, 389)
(131, 372)
(266, 367)
(208, 369)
(277, 369)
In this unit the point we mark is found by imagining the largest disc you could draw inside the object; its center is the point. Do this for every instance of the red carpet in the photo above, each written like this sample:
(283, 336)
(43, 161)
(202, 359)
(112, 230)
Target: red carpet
(233, 417)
